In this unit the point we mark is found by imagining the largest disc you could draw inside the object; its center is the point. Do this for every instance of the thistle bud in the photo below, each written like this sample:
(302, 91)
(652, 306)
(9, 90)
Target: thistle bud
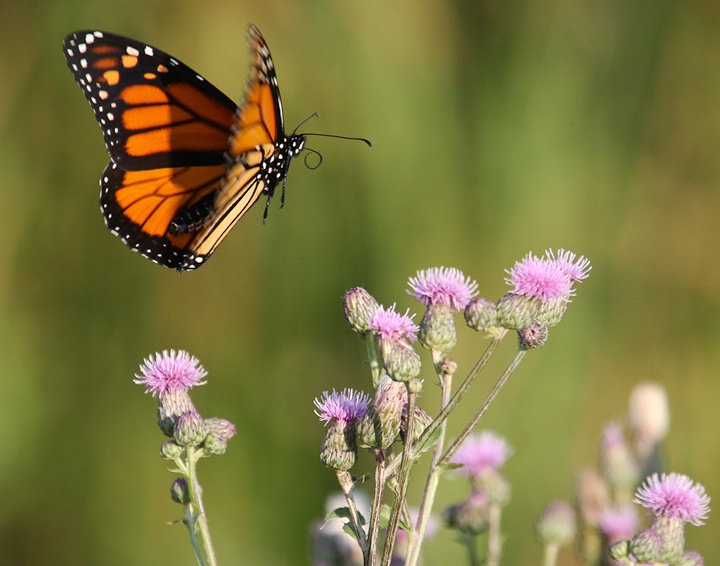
(338, 450)
(533, 336)
(551, 311)
(481, 314)
(381, 424)
(359, 306)
(219, 431)
(437, 329)
(556, 524)
(516, 311)
(190, 429)
(171, 450)
(400, 360)
(173, 404)
(179, 491)
(647, 546)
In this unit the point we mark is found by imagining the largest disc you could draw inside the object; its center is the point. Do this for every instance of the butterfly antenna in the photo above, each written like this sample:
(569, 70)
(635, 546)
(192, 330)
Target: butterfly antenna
(316, 115)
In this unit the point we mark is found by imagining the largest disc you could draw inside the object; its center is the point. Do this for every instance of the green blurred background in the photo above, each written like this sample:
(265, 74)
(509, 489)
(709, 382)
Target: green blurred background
(498, 128)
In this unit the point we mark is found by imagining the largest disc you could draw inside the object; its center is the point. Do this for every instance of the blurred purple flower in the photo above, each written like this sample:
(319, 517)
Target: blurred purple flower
(480, 453)
(391, 325)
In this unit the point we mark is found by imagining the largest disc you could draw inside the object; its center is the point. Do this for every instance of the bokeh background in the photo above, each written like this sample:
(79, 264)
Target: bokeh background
(498, 128)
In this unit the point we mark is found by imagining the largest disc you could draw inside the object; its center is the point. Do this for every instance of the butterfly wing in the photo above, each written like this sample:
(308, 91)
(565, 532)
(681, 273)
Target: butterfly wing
(166, 130)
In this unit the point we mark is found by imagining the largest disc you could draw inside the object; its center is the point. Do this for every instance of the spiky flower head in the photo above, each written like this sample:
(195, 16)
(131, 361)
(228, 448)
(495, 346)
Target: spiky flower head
(359, 306)
(391, 325)
(575, 270)
(169, 372)
(395, 332)
(346, 406)
(674, 496)
(443, 286)
(540, 278)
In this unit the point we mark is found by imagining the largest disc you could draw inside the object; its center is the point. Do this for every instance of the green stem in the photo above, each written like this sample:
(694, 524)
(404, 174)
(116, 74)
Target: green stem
(494, 535)
(403, 480)
(199, 525)
(434, 472)
(346, 484)
(459, 394)
(450, 452)
(374, 527)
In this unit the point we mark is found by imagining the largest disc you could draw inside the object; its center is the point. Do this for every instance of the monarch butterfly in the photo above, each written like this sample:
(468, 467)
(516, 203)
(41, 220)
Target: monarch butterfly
(186, 163)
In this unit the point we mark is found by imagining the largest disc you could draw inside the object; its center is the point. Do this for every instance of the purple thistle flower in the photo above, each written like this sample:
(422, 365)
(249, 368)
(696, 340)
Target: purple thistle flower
(674, 496)
(347, 406)
(540, 278)
(391, 325)
(443, 285)
(480, 453)
(576, 270)
(170, 372)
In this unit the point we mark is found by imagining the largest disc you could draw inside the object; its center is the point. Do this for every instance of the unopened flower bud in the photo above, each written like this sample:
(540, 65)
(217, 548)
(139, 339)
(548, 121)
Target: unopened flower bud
(691, 558)
(516, 311)
(171, 450)
(172, 404)
(359, 306)
(551, 311)
(471, 516)
(437, 329)
(190, 429)
(481, 314)
(649, 417)
(338, 450)
(533, 336)
(219, 431)
(647, 546)
(179, 491)
(400, 360)
(381, 424)
(557, 524)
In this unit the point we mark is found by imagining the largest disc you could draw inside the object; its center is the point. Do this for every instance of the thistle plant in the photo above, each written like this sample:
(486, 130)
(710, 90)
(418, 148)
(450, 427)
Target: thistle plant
(397, 432)
(169, 376)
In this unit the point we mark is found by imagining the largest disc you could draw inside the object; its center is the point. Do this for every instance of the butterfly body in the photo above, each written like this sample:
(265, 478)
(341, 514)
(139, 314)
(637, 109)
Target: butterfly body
(186, 162)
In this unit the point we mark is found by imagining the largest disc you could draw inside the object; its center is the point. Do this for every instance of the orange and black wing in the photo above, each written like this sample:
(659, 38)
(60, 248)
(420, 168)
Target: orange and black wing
(259, 152)
(186, 162)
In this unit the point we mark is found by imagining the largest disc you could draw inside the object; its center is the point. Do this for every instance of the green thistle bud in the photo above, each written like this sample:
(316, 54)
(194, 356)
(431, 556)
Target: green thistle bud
(190, 429)
(171, 406)
(551, 312)
(620, 551)
(381, 424)
(338, 450)
(437, 329)
(516, 311)
(481, 314)
(472, 516)
(179, 491)
(556, 524)
(495, 486)
(219, 431)
(672, 531)
(359, 306)
(400, 360)
(647, 546)
(171, 450)
(420, 422)
(690, 558)
(533, 336)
